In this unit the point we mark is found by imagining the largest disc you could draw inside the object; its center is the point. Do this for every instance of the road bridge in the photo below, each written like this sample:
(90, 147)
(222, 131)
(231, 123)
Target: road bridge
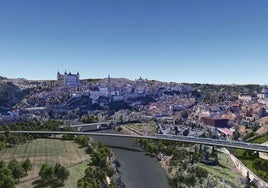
(91, 126)
(189, 139)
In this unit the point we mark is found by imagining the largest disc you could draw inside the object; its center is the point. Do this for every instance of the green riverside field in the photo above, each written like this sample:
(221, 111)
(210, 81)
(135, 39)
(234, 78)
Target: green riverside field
(50, 151)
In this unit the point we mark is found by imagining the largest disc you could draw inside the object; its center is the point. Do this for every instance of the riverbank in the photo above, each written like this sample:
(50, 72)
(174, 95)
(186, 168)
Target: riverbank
(224, 174)
(136, 168)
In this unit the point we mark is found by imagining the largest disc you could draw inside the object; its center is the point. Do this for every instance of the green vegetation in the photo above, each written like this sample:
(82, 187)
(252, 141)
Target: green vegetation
(51, 125)
(46, 172)
(6, 177)
(183, 170)
(260, 139)
(16, 168)
(252, 160)
(100, 168)
(219, 93)
(50, 151)
(76, 172)
(145, 100)
(134, 126)
(7, 139)
(27, 165)
(82, 140)
(10, 94)
(140, 126)
(52, 175)
(90, 119)
(224, 171)
(13, 171)
(190, 166)
(91, 80)
(118, 105)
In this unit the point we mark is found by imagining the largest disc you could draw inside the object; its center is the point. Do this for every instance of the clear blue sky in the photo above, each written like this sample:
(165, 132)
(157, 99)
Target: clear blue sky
(201, 41)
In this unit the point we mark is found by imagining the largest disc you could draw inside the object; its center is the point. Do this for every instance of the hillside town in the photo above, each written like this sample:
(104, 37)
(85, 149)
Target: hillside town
(69, 98)
(229, 112)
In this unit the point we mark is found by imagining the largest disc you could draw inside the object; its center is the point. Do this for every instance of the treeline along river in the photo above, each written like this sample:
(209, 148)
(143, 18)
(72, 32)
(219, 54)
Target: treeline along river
(137, 170)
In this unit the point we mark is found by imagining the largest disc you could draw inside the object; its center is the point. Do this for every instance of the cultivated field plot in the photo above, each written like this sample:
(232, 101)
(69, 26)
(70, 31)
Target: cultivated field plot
(134, 126)
(141, 128)
(50, 151)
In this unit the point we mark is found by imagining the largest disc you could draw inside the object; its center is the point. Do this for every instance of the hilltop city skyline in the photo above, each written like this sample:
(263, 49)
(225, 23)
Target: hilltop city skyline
(223, 42)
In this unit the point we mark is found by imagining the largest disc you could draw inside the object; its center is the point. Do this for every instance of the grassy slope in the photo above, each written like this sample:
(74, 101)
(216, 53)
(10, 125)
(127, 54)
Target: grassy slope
(226, 170)
(49, 151)
(139, 126)
(249, 162)
(260, 139)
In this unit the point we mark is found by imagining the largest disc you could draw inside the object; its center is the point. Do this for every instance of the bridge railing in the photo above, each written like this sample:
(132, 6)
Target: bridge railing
(206, 141)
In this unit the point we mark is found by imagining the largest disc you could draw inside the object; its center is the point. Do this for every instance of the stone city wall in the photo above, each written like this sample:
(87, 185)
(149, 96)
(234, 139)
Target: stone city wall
(243, 170)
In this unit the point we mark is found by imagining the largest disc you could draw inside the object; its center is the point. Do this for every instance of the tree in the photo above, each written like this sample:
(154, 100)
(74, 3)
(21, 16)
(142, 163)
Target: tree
(90, 119)
(151, 148)
(197, 157)
(2, 138)
(13, 140)
(200, 173)
(6, 178)
(173, 182)
(56, 168)
(16, 169)
(184, 114)
(95, 173)
(89, 150)
(7, 181)
(61, 172)
(82, 140)
(12, 164)
(82, 183)
(236, 135)
(247, 180)
(211, 182)
(2, 164)
(68, 136)
(257, 163)
(180, 155)
(7, 133)
(98, 159)
(46, 172)
(180, 178)
(26, 165)
(18, 172)
(190, 180)
(185, 132)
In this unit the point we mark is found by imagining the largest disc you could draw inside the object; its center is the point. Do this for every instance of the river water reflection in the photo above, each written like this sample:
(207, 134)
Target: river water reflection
(136, 169)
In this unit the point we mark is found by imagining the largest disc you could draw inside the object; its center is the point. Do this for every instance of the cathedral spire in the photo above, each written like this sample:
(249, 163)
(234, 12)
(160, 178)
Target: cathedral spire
(109, 79)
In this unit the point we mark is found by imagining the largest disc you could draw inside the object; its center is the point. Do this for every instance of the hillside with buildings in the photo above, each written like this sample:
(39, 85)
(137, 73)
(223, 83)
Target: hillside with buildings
(236, 112)
(70, 98)
(232, 107)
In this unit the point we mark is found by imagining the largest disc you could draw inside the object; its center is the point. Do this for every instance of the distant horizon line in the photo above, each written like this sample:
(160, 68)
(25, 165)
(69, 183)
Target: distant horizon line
(138, 79)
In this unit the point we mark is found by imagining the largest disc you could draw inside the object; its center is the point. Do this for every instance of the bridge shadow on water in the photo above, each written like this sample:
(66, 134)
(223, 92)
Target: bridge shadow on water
(97, 130)
(125, 148)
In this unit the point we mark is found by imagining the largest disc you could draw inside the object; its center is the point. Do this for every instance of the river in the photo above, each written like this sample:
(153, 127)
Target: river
(136, 169)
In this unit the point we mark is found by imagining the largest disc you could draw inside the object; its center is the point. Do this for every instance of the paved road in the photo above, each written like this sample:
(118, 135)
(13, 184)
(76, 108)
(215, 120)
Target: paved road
(189, 139)
(89, 124)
